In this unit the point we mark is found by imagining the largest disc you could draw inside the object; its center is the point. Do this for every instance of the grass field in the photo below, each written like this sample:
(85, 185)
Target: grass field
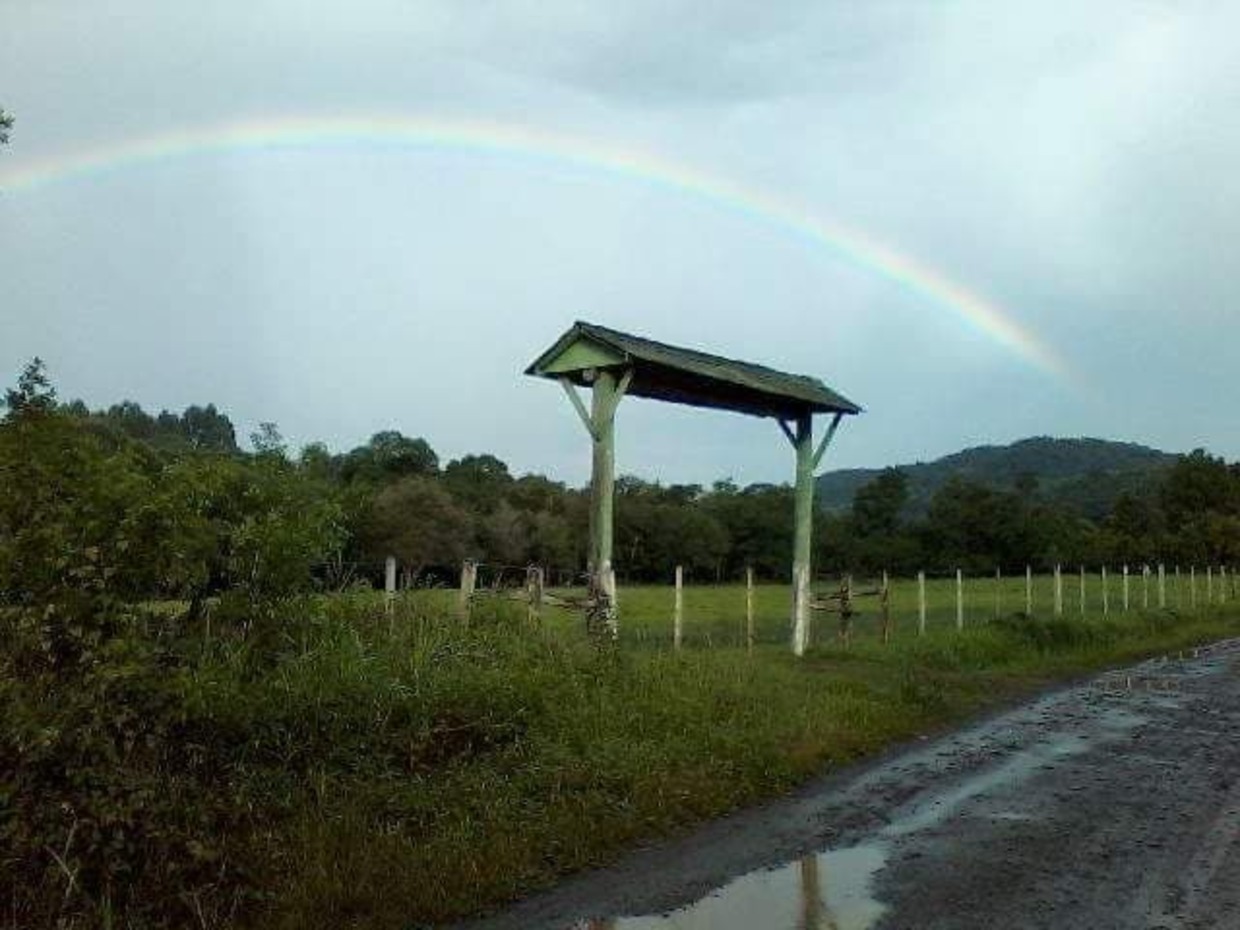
(367, 769)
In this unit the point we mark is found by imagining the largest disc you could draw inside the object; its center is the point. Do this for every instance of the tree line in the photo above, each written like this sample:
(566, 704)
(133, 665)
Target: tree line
(169, 505)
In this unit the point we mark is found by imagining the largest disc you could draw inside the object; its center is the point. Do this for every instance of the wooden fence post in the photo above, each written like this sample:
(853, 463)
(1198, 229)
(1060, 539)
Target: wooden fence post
(1162, 586)
(959, 599)
(1106, 594)
(749, 609)
(469, 580)
(1082, 590)
(1192, 586)
(1179, 591)
(846, 612)
(1028, 590)
(921, 603)
(885, 609)
(1058, 590)
(678, 617)
(534, 594)
(1222, 584)
(1209, 584)
(1125, 587)
(389, 582)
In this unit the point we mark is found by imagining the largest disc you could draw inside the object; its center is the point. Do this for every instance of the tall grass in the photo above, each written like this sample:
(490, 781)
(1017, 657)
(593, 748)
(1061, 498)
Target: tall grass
(362, 768)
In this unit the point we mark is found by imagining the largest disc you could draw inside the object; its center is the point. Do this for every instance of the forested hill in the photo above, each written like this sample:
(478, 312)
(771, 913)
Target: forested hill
(1087, 475)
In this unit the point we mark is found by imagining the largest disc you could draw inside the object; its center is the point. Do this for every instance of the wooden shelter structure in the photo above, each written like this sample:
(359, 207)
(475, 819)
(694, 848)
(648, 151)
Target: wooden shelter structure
(614, 364)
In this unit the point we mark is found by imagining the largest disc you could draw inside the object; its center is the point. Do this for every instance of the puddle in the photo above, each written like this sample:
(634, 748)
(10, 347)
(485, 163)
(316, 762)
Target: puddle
(833, 890)
(825, 891)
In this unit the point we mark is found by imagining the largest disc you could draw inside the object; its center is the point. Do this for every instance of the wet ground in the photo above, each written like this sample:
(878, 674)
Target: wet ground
(1112, 804)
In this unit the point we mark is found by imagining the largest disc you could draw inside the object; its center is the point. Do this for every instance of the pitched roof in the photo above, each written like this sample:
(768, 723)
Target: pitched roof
(687, 376)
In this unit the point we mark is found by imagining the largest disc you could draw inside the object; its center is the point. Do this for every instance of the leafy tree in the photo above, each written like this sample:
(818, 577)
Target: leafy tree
(34, 394)
(6, 123)
(419, 523)
(1196, 485)
(389, 455)
(132, 420)
(478, 481)
(268, 442)
(877, 506)
(207, 429)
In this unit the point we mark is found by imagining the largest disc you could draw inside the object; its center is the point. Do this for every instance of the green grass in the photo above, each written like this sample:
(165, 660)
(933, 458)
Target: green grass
(622, 747)
(384, 771)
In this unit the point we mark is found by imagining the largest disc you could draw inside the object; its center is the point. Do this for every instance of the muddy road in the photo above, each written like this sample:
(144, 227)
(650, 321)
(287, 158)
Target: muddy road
(1111, 804)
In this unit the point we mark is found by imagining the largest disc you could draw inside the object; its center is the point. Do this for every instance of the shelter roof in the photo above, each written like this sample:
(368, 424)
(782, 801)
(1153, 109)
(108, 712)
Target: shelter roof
(686, 376)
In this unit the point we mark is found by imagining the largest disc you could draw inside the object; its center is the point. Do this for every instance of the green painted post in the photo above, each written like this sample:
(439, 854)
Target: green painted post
(605, 397)
(803, 442)
(603, 474)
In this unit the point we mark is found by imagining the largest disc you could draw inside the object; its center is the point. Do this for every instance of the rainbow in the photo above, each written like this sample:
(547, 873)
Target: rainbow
(506, 140)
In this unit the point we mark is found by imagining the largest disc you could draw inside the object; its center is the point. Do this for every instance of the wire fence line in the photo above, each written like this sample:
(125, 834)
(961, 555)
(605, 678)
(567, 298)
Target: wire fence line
(880, 604)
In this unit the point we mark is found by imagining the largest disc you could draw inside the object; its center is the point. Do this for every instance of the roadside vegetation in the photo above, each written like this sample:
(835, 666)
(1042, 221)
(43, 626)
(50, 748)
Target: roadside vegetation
(202, 723)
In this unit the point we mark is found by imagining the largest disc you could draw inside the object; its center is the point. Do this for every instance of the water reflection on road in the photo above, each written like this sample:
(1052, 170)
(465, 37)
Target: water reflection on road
(824, 891)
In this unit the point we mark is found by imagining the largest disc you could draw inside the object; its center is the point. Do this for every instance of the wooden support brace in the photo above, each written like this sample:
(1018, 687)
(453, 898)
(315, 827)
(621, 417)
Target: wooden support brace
(826, 440)
(783, 425)
(580, 407)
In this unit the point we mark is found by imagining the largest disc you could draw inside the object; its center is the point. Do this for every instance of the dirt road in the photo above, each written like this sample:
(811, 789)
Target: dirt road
(1112, 804)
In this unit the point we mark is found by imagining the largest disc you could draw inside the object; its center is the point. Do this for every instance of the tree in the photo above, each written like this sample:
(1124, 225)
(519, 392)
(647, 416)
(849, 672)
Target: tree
(268, 442)
(34, 394)
(388, 455)
(131, 419)
(877, 505)
(419, 523)
(1198, 484)
(6, 123)
(478, 481)
(207, 429)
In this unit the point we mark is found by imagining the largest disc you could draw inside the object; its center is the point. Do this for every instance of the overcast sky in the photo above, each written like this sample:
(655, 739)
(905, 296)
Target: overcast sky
(1071, 165)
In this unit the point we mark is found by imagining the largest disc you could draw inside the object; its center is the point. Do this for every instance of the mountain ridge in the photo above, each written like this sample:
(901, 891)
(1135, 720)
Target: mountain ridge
(1085, 473)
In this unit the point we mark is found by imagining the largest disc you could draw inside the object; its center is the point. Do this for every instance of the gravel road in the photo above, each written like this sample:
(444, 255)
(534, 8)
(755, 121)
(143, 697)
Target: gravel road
(1110, 804)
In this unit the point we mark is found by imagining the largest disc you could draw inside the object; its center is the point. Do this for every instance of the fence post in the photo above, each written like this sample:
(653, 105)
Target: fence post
(1222, 584)
(1058, 590)
(1106, 594)
(921, 603)
(1179, 591)
(1192, 586)
(534, 593)
(1028, 590)
(749, 609)
(959, 600)
(678, 617)
(1209, 584)
(998, 592)
(1082, 590)
(1125, 587)
(1162, 586)
(1145, 587)
(885, 607)
(469, 579)
(389, 582)
(845, 611)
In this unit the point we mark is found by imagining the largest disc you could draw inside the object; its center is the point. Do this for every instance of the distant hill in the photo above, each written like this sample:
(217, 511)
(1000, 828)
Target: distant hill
(1086, 474)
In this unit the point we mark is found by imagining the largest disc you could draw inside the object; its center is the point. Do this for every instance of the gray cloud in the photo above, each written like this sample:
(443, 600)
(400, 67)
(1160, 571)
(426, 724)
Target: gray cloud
(1072, 162)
